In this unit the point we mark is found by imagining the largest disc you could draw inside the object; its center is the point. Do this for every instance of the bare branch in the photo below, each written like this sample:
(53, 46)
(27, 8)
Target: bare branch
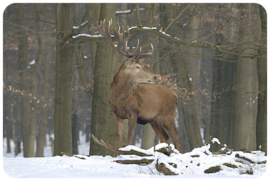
(102, 143)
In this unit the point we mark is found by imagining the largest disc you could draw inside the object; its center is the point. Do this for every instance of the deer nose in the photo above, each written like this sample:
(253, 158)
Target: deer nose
(155, 77)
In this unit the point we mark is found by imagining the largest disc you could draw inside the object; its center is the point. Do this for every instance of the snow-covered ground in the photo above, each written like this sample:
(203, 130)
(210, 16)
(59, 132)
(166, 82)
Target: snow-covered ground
(188, 166)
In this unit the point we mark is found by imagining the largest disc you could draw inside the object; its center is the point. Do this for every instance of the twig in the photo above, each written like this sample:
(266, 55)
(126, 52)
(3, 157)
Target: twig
(68, 154)
(107, 145)
(180, 14)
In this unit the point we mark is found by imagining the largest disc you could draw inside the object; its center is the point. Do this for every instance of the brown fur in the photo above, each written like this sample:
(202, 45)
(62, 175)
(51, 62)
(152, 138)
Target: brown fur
(142, 103)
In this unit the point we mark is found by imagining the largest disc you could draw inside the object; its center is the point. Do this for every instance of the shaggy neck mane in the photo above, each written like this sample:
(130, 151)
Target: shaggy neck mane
(121, 87)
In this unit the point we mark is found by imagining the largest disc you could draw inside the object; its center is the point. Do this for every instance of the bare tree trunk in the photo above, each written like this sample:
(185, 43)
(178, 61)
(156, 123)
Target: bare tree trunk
(42, 123)
(189, 106)
(28, 127)
(46, 92)
(261, 125)
(223, 77)
(75, 83)
(107, 62)
(63, 88)
(246, 88)
(185, 95)
(93, 18)
(192, 62)
(93, 12)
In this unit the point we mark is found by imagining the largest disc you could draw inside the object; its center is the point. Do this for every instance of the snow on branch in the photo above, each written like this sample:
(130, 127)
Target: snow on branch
(128, 11)
(77, 27)
(202, 44)
(86, 35)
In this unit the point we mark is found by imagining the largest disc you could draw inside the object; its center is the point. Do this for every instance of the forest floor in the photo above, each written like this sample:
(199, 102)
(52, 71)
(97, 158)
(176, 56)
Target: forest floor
(194, 164)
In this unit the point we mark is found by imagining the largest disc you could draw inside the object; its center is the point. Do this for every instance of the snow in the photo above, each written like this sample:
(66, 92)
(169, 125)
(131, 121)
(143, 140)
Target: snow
(128, 11)
(149, 28)
(86, 35)
(188, 165)
(215, 140)
(77, 27)
(132, 27)
(32, 62)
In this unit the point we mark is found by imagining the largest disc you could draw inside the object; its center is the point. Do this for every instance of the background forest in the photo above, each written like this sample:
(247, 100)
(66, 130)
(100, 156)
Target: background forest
(57, 73)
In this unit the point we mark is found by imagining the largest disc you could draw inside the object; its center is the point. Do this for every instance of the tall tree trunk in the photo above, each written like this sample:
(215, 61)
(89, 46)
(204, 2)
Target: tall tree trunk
(75, 83)
(185, 95)
(193, 67)
(246, 88)
(107, 62)
(41, 140)
(74, 110)
(192, 62)
(223, 78)
(47, 106)
(63, 87)
(86, 83)
(93, 12)
(28, 127)
(261, 125)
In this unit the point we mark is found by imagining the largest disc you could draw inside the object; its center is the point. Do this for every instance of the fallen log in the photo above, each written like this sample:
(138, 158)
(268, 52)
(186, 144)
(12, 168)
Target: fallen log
(141, 161)
(70, 155)
(213, 169)
(161, 167)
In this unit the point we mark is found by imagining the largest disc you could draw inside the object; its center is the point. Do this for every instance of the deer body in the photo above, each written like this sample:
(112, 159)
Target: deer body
(142, 103)
(134, 96)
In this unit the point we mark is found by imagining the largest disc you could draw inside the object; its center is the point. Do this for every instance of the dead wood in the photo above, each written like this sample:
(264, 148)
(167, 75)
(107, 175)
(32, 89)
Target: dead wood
(141, 161)
(161, 167)
(107, 145)
(224, 148)
(213, 169)
(118, 152)
(70, 155)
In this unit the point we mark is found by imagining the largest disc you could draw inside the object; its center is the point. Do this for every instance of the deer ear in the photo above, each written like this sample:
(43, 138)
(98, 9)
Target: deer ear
(128, 62)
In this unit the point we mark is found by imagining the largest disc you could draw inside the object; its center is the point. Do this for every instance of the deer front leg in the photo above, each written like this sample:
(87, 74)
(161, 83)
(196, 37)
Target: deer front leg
(132, 126)
(119, 124)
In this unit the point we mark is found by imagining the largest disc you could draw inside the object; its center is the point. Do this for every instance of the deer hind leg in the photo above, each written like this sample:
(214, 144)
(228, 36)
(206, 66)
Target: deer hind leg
(160, 131)
(170, 126)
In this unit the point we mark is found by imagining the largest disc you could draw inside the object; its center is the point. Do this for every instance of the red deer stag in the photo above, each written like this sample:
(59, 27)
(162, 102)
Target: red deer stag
(133, 94)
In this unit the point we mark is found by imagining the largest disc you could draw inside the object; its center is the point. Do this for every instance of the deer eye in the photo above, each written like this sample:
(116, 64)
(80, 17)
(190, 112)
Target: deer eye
(137, 67)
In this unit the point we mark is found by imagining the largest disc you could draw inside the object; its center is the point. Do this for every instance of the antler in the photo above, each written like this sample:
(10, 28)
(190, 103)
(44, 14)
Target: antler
(106, 32)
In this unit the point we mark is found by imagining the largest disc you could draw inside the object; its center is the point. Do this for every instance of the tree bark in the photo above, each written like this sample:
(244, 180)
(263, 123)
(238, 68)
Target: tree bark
(223, 78)
(184, 89)
(93, 12)
(63, 87)
(246, 87)
(261, 125)
(41, 140)
(107, 63)
(190, 115)
(28, 127)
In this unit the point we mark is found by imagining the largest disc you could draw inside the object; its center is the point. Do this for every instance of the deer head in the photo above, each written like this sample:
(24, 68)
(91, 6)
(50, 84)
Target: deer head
(133, 66)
